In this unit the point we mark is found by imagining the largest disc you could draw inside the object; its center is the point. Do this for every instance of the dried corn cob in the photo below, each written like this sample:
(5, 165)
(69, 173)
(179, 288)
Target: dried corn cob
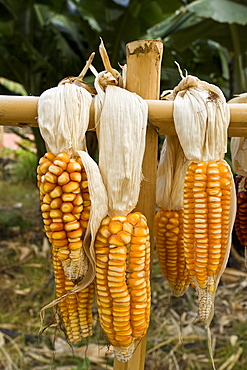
(122, 244)
(65, 206)
(122, 251)
(170, 249)
(207, 192)
(169, 219)
(73, 202)
(201, 117)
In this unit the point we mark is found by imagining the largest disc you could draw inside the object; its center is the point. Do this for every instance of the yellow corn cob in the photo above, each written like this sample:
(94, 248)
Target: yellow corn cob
(207, 191)
(170, 249)
(65, 206)
(122, 251)
(75, 310)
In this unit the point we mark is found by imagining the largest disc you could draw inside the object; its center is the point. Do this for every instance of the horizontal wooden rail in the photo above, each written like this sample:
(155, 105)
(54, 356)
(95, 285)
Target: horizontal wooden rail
(21, 111)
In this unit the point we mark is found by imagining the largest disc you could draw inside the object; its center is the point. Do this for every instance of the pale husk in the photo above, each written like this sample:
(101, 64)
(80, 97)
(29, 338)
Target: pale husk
(121, 120)
(239, 144)
(63, 117)
(201, 118)
(99, 202)
(239, 155)
(170, 175)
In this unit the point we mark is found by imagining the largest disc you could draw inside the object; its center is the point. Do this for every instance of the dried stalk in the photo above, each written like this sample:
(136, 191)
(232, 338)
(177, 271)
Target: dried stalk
(78, 80)
(106, 60)
(111, 76)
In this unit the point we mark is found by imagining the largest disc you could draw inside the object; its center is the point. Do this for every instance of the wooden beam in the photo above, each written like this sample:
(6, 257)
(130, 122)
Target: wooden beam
(21, 111)
(18, 111)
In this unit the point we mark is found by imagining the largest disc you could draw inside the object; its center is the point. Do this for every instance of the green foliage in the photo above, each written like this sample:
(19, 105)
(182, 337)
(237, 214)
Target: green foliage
(11, 222)
(25, 167)
(84, 365)
(18, 208)
(12, 86)
(6, 152)
(223, 11)
(207, 38)
(43, 41)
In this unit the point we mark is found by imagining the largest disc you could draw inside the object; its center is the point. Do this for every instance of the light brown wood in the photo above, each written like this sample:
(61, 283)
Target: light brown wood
(18, 110)
(143, 78)
(21, 111)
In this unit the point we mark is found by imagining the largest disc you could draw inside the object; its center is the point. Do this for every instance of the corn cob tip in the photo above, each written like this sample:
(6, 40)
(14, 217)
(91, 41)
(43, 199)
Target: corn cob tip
(205, 304)
(124, 354)
(179, 289)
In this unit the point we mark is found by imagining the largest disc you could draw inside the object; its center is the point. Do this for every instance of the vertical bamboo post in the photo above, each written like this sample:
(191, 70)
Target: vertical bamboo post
(143, 77)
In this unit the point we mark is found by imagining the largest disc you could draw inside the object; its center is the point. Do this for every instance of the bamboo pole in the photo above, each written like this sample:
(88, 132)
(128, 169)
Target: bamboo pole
(18, 111)
(21, 111)
(143, 78)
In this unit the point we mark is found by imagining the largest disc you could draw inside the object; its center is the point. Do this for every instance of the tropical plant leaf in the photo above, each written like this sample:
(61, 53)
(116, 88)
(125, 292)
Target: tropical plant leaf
(223, 11)
(204, 30)
(13, 86)
(172, 24)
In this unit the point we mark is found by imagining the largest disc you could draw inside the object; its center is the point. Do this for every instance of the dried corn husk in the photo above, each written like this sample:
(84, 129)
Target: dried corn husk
(121, 134)
(170, 175)
(201, 118)
(239, 164)
(239, 145)
(63, 116)
(239, 157)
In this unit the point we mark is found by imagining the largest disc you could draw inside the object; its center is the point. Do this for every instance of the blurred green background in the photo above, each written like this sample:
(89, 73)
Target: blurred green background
(43, 41)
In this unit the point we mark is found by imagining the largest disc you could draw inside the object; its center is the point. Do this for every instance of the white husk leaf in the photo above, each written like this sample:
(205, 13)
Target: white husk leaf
(239, 144)
(201, 118)
(241, 98)
(122, 118)
(170, 175)
(99, 201)
(239, 155)
(58, 108)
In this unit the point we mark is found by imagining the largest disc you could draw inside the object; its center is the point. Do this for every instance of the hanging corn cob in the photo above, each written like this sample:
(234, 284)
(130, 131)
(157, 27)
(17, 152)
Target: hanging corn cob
(169, 218)
(73, 202)
(122, 245)
(239, 164)
(201, 119)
